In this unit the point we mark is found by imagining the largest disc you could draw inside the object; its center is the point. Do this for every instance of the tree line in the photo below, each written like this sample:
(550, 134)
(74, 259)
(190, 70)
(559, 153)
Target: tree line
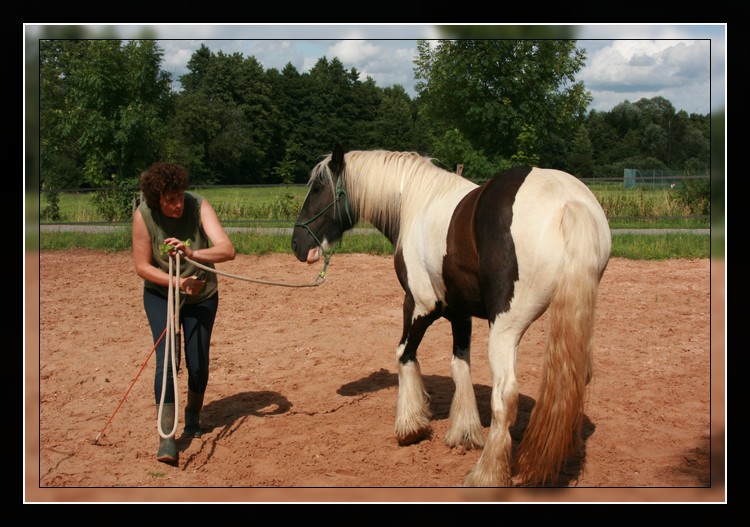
(108, 110)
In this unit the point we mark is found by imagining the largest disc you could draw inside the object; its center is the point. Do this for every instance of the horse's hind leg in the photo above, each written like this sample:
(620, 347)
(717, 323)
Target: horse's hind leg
(465, 428)
(493, 469)
(412, 408)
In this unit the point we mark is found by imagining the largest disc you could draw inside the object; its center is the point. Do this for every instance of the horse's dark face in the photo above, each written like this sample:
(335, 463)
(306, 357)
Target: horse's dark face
(325, 214)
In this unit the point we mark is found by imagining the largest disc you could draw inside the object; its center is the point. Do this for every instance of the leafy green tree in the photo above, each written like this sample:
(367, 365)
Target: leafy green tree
(294, 119)
(659, 126)
(695, 150)
(367, 127)
(420, 129)
(58, 155)
(226, 118)
(327, 110)
(120, 99)
(284, 171)
(651, 131)
(333, 106)
(452, 149)
(525, 153)
(624, 117)
(626, 121)
(107, 100)
(292, 100)
(496, 91)
(581, 158)
(391, 128)
(691, 143)
(603, 135)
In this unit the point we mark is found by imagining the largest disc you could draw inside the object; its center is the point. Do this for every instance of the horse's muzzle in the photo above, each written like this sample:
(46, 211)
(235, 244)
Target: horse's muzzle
(303, 248)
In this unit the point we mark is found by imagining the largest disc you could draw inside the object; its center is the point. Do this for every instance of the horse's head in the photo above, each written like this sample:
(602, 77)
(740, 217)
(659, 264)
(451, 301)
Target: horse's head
(326, 213)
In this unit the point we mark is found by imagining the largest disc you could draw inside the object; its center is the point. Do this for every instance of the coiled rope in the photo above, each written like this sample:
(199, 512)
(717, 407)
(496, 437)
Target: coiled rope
(170, 345)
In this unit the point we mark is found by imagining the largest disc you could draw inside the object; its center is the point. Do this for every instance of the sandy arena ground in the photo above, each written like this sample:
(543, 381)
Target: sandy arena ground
(301, 399)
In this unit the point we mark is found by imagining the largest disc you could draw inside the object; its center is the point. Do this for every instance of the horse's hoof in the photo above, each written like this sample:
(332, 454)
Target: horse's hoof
(466, 441)
(413, 437)
(475, 479)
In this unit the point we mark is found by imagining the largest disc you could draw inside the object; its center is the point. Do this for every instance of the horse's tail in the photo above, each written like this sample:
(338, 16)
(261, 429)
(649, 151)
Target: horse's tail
(555, 425)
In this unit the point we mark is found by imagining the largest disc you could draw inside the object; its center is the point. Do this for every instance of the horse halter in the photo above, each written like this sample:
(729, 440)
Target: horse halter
(336, 201)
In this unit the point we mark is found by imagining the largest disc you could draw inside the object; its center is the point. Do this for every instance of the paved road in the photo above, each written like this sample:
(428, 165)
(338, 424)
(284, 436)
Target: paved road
(288, 231)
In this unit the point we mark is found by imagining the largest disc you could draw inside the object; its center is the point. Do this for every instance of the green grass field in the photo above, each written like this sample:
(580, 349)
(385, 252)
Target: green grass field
(277, 206)
(631, 246)
(629, 207)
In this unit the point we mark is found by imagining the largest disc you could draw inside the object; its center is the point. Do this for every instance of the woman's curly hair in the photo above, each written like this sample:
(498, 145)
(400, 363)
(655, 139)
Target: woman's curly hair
(160, 178)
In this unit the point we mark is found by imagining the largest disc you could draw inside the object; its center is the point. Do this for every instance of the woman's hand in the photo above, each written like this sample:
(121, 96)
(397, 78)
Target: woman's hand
(192, 285)
(179, 245)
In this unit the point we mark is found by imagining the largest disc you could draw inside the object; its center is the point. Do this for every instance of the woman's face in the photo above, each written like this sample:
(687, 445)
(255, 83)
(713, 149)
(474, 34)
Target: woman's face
(172, 203)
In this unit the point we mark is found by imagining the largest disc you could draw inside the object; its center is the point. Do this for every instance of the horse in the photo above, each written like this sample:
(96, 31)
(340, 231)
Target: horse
(506, 251)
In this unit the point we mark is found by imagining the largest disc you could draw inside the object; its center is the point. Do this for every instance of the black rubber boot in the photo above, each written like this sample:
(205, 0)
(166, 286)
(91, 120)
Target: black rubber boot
(193, 414)
(167, 452)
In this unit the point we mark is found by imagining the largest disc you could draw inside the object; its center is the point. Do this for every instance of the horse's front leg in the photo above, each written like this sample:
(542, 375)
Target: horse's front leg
(412, 408)
(465, 428)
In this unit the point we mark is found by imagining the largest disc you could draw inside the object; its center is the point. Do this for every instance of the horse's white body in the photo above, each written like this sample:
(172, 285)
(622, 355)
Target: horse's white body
(424, 243)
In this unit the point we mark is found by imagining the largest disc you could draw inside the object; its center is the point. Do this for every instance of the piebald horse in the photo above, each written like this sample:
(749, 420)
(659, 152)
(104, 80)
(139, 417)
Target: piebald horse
(527, 241)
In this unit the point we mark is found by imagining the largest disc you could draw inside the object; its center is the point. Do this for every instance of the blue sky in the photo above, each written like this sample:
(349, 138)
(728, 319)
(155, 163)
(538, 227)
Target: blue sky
(684, 63)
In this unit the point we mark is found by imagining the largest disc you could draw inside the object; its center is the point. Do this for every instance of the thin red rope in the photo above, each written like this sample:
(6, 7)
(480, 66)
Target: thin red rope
(131, 386)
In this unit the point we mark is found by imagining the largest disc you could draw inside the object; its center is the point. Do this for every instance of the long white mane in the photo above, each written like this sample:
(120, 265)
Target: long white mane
(392, 188)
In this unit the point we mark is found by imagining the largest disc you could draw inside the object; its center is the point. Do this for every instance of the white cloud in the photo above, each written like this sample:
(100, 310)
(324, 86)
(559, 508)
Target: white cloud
(275, 53)
(678, 70)
(354, 51)
(387, 62)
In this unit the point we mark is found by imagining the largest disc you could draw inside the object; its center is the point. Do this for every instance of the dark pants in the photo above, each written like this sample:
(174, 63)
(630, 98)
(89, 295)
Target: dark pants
(197, 321)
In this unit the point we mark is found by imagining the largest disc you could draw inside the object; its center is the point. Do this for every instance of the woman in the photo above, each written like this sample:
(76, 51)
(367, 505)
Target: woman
(187, 222)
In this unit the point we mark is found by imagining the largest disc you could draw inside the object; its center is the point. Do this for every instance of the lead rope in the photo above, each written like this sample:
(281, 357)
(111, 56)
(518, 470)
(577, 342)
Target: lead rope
(173, 324)
(99, 435)
(173, 314)
(172, 331)
(318, 280)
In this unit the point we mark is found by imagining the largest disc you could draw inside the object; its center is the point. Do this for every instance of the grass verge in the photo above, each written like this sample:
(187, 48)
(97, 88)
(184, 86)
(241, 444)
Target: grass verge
(632, 246)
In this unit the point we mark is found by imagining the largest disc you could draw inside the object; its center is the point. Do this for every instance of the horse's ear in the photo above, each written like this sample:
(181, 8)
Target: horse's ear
(337, 159)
